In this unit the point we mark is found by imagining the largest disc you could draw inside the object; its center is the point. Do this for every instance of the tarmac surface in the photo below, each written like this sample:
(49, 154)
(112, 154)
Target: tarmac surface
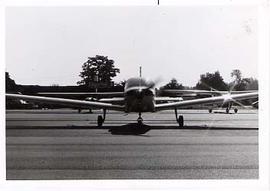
(63, 144)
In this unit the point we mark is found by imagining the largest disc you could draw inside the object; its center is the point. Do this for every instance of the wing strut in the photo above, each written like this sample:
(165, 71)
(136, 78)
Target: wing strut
(176, 115)
(104, 114)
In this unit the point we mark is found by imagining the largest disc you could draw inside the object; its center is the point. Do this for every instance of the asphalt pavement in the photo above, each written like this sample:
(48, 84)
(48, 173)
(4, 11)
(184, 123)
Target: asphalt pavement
(63, 144)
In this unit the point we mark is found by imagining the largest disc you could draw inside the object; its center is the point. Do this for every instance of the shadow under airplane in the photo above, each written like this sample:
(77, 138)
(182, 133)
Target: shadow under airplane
(130, 129)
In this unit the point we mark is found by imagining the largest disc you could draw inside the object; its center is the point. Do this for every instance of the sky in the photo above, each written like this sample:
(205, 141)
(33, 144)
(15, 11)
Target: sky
(48, 45)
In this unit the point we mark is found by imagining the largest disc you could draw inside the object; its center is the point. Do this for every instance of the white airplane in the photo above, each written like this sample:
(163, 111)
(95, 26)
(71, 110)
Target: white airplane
(138, 96)
(213, 92)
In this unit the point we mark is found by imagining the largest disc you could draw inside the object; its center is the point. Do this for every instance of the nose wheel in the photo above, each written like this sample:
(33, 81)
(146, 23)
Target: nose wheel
(140, 119)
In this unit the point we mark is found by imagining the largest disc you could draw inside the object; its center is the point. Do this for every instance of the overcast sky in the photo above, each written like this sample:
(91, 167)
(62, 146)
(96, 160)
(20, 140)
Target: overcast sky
(48, 45)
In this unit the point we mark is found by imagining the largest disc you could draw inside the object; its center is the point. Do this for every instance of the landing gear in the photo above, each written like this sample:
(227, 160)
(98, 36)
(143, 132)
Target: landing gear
(100, 119)
(229, 107)
(140, 119)
(179, 119)
(235, 110)
(210, 110)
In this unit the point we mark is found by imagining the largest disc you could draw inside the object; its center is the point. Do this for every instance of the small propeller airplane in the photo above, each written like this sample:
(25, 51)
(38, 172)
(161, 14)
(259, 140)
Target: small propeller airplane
(138, 96)
(193, 93)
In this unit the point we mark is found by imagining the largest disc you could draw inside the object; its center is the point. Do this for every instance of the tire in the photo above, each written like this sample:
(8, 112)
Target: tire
(235, 110)
(210, 110)
(140, 121)
(181, 120)
(99, 121)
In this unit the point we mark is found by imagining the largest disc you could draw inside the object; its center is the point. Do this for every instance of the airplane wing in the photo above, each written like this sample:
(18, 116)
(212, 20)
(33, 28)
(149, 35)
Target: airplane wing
(110, 100)
(67, 102)
(203, 92)
(210, 100)
(168, 99)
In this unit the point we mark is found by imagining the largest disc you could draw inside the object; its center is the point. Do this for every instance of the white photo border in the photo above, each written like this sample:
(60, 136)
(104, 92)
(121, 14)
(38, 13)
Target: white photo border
(263, 65)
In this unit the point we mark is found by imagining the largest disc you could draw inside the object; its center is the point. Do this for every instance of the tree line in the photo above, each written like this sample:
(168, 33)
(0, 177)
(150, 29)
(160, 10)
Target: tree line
(99, 71)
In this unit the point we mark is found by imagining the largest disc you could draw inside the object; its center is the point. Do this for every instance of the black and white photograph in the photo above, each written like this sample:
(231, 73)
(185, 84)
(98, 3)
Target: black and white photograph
(132, 93)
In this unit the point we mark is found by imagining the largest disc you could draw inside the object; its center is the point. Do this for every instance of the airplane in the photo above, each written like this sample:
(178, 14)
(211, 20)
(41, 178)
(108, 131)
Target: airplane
(255, 104)
(19, 104)
(138, 96)
(193, 93)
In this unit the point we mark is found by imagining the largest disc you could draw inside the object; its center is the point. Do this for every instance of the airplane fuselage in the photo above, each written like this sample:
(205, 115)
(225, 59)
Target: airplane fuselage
(139, 96)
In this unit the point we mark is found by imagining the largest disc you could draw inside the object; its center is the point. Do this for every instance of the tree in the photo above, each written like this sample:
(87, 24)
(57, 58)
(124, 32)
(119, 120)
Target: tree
(240, 84)
(10, 84)
(237, 75)
(211, 80)
(253, 84)
(98, 70)
(173, 84)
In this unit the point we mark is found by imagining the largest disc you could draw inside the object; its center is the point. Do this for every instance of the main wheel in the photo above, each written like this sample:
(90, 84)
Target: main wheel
(235, 110)
(99, 121)
(210, 110)
(181, 120)
(227, 110)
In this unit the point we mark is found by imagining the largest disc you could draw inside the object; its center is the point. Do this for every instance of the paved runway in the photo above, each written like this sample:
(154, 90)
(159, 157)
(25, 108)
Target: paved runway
(62, 144)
